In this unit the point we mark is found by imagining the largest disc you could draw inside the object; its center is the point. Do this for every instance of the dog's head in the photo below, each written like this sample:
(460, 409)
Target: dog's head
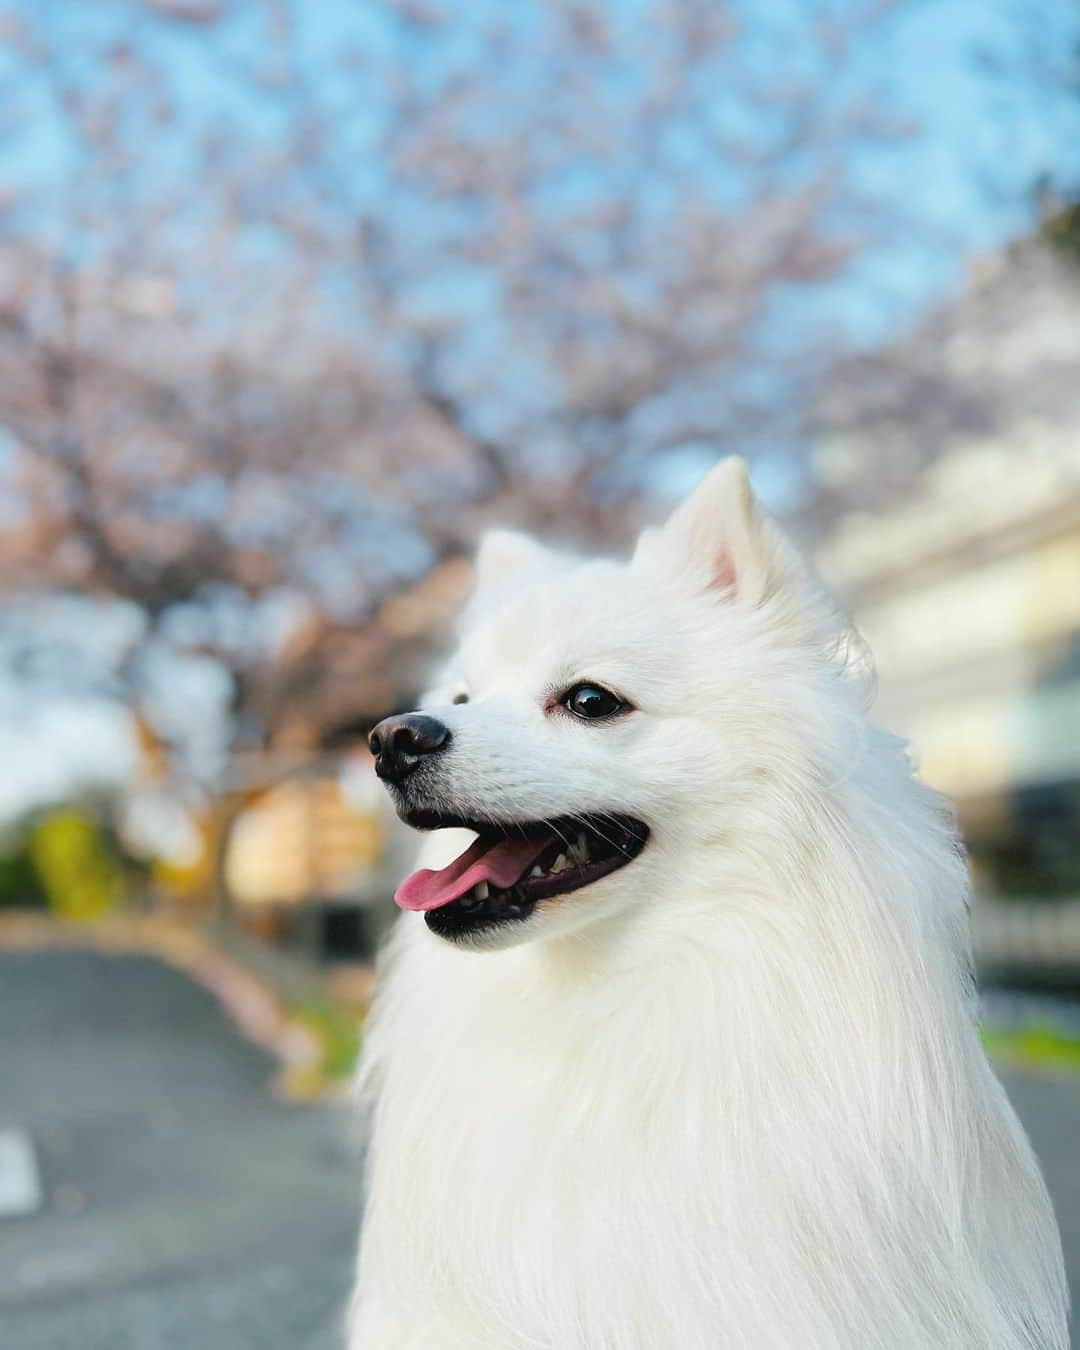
(603, 725)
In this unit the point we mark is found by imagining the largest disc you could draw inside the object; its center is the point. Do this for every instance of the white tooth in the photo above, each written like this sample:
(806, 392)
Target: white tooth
(480, 890)
(582, 848)
(560, 863)
(537, 871)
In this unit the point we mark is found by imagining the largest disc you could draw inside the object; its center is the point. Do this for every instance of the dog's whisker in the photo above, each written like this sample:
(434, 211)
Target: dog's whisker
(591, 826)
(555, 830)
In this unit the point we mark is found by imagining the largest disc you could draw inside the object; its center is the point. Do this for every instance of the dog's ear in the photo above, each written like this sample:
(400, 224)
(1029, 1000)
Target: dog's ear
(719, 540)
(718, 537)
(505, 555)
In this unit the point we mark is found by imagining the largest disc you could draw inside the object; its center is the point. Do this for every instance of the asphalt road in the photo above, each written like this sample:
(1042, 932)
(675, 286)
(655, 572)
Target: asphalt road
(187, 1210)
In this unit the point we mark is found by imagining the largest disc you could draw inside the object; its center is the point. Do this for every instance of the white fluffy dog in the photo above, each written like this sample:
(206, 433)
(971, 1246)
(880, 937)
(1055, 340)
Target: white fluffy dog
(680, 1053)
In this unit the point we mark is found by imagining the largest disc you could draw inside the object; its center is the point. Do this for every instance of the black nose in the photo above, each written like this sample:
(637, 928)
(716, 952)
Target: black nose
(399, 743)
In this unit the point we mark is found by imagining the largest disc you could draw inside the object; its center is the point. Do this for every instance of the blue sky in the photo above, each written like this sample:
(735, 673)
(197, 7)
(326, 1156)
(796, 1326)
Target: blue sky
(988, 129)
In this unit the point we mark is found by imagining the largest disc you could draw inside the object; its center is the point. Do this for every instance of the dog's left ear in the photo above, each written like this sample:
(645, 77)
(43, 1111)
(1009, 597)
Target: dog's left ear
(719, 540)
(505, 555)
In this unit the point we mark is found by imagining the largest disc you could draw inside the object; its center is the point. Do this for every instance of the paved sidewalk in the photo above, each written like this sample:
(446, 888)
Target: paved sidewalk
(187, 1210)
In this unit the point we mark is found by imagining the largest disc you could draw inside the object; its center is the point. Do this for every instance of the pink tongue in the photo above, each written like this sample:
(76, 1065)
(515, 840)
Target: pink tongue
(498, 864)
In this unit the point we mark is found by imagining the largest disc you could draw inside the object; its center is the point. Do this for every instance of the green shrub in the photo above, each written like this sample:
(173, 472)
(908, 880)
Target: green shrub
(80, 875)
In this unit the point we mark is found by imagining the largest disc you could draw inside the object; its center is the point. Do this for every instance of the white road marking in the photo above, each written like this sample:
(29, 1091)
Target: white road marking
(20, 1185)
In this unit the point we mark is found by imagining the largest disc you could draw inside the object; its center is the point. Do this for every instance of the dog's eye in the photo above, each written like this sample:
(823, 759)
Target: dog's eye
(592, 702)
(460, 698)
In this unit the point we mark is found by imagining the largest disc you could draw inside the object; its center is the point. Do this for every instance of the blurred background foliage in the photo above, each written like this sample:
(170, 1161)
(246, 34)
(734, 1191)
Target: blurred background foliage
(65, 861)
(79, 871)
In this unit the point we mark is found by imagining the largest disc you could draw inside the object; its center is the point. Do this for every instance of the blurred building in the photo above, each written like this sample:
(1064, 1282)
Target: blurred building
(967, 584)
(302, 839)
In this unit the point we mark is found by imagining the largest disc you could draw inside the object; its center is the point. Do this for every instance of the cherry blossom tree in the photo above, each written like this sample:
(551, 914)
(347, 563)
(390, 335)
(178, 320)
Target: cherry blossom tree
(293, 299)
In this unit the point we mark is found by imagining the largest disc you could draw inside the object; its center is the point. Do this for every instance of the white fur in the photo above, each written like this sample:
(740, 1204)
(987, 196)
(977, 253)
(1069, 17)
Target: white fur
(732, 1096)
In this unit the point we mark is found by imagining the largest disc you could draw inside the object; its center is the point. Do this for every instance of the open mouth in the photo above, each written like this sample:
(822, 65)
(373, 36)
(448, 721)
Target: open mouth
(509, 869)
